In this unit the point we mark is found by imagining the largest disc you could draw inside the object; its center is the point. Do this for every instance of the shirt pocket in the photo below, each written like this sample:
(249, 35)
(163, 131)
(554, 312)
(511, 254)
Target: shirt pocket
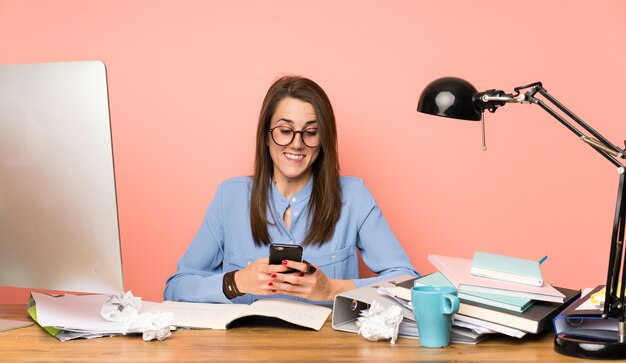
(236, 262)
(338, 264)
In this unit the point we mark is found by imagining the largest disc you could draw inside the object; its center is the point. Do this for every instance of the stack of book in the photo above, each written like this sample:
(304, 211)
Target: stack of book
(510, 307)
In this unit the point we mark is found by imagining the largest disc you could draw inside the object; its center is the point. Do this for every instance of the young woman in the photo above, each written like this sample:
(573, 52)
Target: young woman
(296, 196)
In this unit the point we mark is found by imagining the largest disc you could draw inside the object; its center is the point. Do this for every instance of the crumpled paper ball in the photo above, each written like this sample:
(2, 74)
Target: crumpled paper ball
(125, 308)
(121, 307)
(378, 323)
(151, 325)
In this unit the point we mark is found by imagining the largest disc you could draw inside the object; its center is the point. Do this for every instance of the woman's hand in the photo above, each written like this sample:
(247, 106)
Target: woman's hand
(255, 277)
(309, 283)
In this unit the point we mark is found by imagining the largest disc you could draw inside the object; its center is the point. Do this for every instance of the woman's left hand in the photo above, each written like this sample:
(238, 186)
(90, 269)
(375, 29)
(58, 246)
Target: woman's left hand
(309, 283)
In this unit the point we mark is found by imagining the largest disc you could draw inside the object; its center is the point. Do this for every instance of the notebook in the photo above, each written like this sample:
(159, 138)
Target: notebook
(507, 268)
(457, 271)
(517, 304)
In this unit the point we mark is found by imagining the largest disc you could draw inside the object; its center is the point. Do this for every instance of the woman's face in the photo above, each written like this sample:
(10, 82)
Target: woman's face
(293, 161)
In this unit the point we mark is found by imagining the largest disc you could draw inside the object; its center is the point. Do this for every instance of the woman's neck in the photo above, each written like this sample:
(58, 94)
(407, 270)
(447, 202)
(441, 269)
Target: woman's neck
(290, 187)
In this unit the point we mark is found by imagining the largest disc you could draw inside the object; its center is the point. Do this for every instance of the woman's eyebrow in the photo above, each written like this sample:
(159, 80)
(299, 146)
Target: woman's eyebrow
(291, 122)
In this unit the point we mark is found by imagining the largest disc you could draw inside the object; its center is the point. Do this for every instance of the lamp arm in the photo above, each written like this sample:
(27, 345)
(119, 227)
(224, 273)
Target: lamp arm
(598, 145)
(582, 136)
(615, 302)
(583, 124)
(492, 99)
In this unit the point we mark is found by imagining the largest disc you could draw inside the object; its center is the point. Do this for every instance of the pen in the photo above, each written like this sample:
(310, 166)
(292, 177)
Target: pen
(543, 259)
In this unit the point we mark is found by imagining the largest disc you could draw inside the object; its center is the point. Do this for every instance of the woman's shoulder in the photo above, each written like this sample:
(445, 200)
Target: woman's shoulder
(236, 184)
(352, 186)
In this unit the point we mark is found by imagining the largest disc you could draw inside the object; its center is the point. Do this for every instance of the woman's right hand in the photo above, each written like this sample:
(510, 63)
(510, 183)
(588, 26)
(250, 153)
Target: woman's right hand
(255, 278)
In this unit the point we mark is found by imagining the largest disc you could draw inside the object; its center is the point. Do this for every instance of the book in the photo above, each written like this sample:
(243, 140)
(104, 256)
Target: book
(507, 268)
(457, 271)
(534, 320)
(220, 316)
(517, 304)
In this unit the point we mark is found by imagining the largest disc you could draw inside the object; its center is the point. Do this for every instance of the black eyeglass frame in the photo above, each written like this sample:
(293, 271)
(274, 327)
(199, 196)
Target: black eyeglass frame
(293, 135)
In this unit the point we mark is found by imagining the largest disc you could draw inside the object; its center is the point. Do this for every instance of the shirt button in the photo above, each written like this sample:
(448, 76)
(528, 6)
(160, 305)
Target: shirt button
(293, 200)
(291, 242)
(296, 213)
(334, 258)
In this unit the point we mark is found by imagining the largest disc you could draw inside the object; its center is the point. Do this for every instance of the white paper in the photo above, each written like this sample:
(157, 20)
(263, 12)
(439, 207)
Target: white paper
(121, 307)
(151, 325)
(201, 316)
(218, 316)
(378, 323)
(77, 312)
(587, 304)
(489, 327)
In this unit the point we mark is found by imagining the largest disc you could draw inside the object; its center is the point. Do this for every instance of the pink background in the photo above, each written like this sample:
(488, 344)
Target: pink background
(186, 80)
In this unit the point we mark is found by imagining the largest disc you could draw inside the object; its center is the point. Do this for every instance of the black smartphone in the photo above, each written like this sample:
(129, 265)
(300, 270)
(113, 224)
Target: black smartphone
(280, 252)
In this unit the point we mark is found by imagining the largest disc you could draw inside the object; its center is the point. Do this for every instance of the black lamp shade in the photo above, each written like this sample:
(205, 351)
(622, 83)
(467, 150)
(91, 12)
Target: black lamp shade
(449, 97)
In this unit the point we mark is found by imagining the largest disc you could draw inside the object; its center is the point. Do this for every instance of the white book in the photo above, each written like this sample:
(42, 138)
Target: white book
(220, 316)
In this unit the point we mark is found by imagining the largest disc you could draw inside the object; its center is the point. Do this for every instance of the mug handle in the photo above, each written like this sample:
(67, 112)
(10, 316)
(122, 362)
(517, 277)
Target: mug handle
(452, 306)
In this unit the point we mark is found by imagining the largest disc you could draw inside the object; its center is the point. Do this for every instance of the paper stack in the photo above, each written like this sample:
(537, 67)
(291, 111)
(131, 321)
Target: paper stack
(77, 316)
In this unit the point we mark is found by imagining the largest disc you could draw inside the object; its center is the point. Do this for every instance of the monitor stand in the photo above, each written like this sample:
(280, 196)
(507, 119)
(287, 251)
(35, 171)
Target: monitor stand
(6, 325)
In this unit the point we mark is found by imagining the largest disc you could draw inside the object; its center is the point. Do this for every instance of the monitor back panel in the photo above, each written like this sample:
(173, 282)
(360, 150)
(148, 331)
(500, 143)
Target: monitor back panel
(58, 209)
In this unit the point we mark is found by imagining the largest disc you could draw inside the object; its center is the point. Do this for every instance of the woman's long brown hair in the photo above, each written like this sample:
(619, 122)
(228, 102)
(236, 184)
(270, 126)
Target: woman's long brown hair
(325, 202)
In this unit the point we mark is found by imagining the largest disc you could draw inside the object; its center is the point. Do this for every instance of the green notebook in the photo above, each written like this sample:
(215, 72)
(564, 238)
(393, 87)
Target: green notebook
(507, 268)
(516, 304)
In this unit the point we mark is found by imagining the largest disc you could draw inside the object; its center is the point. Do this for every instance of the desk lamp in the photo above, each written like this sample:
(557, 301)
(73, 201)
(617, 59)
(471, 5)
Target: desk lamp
(456, 98)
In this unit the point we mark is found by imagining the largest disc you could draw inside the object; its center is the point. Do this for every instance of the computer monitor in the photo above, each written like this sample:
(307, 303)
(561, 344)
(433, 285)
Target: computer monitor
(58, 209)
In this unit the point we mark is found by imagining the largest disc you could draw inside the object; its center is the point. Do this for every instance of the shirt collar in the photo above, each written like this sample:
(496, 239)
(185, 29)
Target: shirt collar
(302, 196)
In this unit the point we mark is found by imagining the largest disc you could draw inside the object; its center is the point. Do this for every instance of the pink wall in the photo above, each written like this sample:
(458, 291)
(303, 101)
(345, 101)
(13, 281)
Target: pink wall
(186, 79)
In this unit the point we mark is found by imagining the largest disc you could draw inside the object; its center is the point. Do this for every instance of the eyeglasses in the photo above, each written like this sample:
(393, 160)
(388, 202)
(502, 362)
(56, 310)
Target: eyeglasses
(283, 136)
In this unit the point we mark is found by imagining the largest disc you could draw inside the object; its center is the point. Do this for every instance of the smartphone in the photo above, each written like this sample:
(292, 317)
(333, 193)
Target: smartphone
(280, 252)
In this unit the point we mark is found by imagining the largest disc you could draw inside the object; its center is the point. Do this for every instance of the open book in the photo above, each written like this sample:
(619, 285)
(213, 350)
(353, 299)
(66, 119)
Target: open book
(220, 316)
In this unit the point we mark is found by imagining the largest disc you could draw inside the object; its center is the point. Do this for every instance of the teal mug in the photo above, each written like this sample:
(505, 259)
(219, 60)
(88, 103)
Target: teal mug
(433, 307)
